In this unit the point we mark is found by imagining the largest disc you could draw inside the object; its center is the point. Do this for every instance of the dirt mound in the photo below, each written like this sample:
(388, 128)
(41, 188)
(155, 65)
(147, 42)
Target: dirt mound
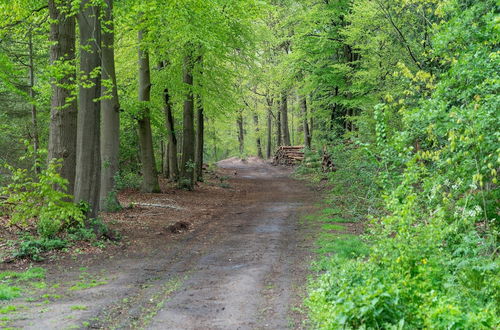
(178, 227)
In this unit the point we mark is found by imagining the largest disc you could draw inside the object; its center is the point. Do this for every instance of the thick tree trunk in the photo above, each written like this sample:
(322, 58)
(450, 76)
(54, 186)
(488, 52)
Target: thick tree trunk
(241, 132)
(110, 116)
(284, 119)
(172, 139)
(88, 158)
(148, 163)
(186, 179)
(307, 135)
(269, 127)
(200, 141)
(257, 133)
(63, 110)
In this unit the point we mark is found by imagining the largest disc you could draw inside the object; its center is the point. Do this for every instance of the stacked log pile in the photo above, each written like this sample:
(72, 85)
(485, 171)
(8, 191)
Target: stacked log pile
(288, 155)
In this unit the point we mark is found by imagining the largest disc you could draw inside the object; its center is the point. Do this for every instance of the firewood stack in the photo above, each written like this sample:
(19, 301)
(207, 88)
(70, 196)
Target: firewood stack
(288, 155)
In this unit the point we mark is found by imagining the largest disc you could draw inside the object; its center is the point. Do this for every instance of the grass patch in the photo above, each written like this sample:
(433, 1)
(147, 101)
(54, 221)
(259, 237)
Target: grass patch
(10, 280)
(31, 274)
(78, 308)
(332, 226)
(87, 281)
(8, 309)
(8, 292)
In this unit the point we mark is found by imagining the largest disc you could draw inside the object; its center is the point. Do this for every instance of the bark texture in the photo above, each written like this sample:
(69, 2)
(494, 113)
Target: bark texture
(110, 116)
(284, 119)
(186, 179)
(88, 158)
(269, 127)
(200, 141)
(307, 134)
(63, 109)
(148, 163)
(172, 139)
(241, 132)
(257, 133)
(278, 129)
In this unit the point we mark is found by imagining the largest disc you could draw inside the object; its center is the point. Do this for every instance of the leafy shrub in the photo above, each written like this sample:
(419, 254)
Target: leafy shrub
(125, 180)
(40, 197)
(34, 248)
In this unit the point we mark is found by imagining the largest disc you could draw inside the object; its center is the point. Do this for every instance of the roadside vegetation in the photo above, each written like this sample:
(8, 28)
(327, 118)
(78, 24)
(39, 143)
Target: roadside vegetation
(424, 185)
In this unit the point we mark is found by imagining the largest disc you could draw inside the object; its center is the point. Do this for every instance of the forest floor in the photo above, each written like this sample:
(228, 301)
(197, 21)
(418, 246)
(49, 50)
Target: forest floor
(241, 264)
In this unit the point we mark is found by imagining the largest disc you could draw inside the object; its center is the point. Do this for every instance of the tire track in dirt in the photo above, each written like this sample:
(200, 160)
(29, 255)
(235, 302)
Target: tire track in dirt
(243, 269)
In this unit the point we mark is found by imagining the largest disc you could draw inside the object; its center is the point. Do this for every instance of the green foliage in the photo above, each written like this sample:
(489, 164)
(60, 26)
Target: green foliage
(39, 197)
(434, 260)
(10, 280)
(34, 248)
(127, 180)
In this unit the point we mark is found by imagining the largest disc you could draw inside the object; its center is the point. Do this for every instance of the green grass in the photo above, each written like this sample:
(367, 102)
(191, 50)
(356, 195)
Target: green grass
(87, 281)
(8, 292)
(78, 308)
(10, 282)
(8, 309)
(31, 274)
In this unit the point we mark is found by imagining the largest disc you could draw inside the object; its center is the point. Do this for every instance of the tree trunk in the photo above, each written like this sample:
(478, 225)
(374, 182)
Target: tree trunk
(63, 110)
(284, 119)
(307, 135)
(34, 119)
(257, 133)
(172, 139)
(110, 116)
(241, 132)
(148, 163)
(278, 129)
(269, 127)
(186, 179)
(88, 158)
(200, 141)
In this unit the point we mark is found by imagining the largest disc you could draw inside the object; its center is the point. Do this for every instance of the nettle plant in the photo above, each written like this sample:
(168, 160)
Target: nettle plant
(37, 197)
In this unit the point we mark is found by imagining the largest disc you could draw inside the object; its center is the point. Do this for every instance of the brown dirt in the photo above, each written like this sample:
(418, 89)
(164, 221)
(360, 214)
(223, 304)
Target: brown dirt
(241, 263)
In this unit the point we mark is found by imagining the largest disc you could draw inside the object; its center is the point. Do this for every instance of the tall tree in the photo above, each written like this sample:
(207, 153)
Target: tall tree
(186, 179)
(63, 110)
(269, 101)
(257, 133)
(173, 165)
(149, 173)
(110, 112)
(241, 131)
(200, 140)
(31, 82)
(88, 158)
(279, 140)
(284, 119)
(307, 134)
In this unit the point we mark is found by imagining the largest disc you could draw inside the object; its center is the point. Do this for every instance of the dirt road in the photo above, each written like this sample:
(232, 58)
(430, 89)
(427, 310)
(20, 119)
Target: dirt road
(242, 269)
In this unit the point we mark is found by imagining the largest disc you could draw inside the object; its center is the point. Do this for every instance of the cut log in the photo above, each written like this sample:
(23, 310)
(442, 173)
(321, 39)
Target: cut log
(288, 155)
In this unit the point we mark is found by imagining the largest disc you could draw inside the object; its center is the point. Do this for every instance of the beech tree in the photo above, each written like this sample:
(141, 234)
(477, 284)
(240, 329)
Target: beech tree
(110, 114)
(63, 111)
(149, 172)
(88, 158)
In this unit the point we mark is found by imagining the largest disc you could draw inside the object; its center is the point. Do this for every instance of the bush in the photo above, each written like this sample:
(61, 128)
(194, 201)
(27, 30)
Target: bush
(34, 248)
(40, 197)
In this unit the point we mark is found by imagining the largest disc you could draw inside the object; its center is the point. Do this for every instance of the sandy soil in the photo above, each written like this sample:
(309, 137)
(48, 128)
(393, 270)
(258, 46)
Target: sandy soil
(242, 264)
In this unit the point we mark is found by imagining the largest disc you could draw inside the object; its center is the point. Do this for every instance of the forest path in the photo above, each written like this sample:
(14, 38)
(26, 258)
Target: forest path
(245, 269)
